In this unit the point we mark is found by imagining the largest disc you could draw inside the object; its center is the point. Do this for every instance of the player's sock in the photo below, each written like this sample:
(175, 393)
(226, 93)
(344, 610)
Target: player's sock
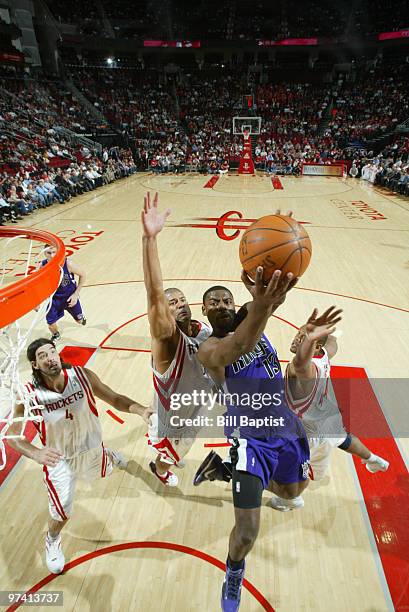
(235, 565)
(284, 505)
(231, 590)
(375, 464)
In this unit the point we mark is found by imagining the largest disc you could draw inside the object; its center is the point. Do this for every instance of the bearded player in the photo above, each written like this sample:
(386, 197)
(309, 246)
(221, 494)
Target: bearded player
(70, 434)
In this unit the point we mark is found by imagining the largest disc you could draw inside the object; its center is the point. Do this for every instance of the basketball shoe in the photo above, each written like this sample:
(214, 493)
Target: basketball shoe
(284, 505)
(55, 337)
(54, 556)
(231, 589)
(169, 479)
(118, 459)
(375, 464)
(212, 468)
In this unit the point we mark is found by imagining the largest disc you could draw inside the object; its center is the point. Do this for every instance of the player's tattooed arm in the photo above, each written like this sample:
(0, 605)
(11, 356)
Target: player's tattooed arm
(313, 335)
(44, 456)
(116, 400)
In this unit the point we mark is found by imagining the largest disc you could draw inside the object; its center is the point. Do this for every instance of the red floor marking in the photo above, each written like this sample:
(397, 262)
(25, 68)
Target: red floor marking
(115, 417)
(134, 545)
(122, 348)
(385, 493)
(77, 355)
(276, 182)
(211, 182)
(216, 445)
(101, 344)
(236, 280)
(145, 314)
(13, 457)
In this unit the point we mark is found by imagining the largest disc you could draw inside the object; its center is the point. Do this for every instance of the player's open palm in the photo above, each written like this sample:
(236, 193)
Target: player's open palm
(274, 293)
(153, 221)
(320, 326)
(47, 456)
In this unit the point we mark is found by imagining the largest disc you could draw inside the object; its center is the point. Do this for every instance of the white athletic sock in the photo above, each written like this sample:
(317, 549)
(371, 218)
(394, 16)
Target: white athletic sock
(52, 538)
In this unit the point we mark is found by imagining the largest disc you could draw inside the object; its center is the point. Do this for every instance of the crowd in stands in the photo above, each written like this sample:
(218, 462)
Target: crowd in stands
(187, 126)
(38, 166)
(376, 103)
(389, 169)
(236, 19)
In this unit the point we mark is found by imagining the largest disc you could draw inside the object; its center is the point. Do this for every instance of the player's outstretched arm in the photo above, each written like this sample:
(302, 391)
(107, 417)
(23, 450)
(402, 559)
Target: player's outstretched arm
(216, 353)
(116, 400)
(317, 328)
(162, 324)
(45, 456)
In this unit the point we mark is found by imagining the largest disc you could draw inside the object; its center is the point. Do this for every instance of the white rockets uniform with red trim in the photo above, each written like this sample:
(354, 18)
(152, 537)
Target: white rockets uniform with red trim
(70, 425)
(184, 375)
(320, 415)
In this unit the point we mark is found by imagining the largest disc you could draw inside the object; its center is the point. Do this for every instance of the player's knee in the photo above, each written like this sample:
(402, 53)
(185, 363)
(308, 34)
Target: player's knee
(289, 491)
(247, 534)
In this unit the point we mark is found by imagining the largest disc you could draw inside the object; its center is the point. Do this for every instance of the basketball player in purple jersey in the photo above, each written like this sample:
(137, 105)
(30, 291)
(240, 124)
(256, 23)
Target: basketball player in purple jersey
(66, 298)
(273, 455)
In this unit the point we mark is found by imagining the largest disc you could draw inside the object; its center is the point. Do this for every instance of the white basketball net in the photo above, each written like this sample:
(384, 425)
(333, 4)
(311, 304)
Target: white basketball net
(13, 340)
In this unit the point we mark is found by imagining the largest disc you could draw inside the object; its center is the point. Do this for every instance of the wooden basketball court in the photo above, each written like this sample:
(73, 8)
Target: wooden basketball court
(136, 545)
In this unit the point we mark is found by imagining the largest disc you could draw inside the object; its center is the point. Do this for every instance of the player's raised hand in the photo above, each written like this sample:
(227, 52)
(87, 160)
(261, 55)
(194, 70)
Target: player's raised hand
(321, 326)
(289, 213)
(274, 293)
(279, 285)
(153, 221)
(47, 456)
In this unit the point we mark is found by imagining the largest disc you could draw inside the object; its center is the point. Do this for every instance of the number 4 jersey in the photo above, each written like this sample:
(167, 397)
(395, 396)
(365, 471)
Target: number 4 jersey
(70, 419)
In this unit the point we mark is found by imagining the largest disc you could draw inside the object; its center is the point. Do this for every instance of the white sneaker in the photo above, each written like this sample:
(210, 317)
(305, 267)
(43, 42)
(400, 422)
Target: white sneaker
(54, 556)
(376, 465)
(169, 479)
(118, 459)
(284, 505)
(180, 464)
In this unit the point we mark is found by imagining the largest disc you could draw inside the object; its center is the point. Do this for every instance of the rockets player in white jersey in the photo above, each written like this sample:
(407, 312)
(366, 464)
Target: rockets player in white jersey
(175, 341)
(310, 395)
(70, 433)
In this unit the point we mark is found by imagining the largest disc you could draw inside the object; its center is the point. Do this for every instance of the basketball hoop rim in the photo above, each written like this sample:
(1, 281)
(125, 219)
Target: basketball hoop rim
(18, 298)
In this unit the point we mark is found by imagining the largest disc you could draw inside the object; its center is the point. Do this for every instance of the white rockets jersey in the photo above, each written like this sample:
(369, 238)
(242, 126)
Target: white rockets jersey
(70, 418)
(319, 410)
(184, 375)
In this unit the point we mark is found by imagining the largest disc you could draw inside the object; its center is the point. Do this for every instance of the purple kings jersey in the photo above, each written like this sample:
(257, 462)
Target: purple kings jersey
(67, 285)
(255, 396)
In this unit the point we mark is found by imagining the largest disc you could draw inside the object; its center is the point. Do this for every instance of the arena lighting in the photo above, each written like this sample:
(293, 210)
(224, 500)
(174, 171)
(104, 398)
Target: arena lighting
(109, 61)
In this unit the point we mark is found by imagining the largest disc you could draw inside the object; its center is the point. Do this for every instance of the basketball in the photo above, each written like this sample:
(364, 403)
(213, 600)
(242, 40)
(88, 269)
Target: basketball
(275, 242)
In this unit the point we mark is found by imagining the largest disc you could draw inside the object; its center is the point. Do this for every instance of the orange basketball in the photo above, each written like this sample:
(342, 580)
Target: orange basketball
(276, 243)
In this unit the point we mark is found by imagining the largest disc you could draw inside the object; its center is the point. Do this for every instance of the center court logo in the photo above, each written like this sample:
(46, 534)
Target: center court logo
(228, 226)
